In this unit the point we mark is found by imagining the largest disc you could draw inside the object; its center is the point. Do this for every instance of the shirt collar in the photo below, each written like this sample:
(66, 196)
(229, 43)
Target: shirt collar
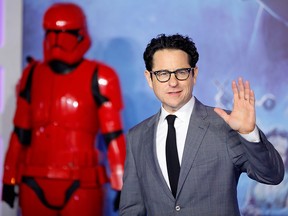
(182, 114)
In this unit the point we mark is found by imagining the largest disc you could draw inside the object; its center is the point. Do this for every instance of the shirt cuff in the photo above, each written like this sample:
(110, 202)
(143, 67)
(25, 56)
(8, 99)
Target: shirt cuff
(253, 136)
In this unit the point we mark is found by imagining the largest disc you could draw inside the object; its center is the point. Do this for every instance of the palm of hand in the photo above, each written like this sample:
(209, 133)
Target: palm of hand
(243, 117)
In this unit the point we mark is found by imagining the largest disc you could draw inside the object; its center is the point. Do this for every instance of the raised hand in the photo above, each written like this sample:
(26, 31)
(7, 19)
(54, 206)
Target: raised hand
(243, 116)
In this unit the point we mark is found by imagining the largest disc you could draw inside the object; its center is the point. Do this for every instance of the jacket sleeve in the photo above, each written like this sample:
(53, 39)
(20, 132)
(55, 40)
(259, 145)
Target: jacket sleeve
(260, 160)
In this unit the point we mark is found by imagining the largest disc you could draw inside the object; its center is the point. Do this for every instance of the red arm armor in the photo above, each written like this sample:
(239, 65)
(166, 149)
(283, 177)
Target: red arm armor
(20, 137)
(111, 122)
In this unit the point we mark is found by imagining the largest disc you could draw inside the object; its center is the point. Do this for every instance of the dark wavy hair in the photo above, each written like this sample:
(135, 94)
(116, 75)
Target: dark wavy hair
(175, 41)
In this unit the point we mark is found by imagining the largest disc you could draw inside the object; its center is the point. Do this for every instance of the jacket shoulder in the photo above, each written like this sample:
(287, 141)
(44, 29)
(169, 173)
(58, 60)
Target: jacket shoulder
(144, 124)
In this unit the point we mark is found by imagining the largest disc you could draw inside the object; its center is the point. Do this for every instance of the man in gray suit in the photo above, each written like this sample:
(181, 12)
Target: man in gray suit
(213, 146)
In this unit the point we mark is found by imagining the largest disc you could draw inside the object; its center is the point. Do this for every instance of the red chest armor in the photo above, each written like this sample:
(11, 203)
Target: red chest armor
(65, 100)
(64, 118)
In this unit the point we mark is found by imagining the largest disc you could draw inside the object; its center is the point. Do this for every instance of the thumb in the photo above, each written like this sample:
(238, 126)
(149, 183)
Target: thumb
(222, 114)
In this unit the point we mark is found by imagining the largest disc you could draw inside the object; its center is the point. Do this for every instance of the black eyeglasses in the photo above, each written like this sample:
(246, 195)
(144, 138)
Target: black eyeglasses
(165, 75)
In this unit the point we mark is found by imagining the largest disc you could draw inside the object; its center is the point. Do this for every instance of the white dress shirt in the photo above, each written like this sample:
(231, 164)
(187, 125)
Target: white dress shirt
(181, 126)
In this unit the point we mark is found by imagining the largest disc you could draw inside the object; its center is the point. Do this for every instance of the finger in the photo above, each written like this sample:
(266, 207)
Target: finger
(235, 90)
(247, 90)
(252, 97)
(241, 88)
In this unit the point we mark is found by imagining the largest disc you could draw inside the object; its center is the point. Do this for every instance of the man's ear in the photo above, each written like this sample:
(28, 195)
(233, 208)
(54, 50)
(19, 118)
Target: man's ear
(148, 78)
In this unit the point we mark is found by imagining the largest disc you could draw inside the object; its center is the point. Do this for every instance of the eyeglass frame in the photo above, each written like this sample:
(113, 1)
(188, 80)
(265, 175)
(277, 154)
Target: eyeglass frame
(175, 73)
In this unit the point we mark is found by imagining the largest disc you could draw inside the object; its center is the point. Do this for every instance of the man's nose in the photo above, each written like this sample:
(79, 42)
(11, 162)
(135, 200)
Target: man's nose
(173, 81)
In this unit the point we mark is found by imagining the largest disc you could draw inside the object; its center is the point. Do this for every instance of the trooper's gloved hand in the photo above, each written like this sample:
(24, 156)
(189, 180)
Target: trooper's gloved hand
(117, 201)
(8, 194)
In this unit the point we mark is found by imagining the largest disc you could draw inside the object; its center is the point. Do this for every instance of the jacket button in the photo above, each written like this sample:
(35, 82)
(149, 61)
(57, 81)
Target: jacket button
(177, 208)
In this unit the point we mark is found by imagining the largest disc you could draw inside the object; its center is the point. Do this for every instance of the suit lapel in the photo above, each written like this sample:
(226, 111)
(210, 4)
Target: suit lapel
(151, 157)
(196, 131)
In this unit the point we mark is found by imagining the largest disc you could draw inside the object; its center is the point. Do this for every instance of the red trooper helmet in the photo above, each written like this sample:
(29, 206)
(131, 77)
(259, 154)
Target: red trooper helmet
(66, 37)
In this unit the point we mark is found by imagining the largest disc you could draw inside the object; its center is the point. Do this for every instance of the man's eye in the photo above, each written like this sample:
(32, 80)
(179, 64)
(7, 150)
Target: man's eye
(162, 73)
(182, 72)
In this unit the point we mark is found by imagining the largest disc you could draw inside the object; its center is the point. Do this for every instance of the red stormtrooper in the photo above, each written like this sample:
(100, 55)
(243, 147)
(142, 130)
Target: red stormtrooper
(62, 103)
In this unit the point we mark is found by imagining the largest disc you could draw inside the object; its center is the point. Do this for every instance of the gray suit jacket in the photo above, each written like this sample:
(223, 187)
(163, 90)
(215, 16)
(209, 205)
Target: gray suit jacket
(214, 157)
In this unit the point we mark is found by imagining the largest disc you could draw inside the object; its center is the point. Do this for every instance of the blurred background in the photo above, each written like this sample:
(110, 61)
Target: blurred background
(247, 38)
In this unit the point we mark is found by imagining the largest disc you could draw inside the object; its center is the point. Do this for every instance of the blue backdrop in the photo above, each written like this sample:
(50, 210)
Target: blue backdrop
(246, 38)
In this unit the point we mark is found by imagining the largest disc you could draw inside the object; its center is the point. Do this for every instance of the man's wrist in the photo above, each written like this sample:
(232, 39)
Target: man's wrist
(252, 136)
